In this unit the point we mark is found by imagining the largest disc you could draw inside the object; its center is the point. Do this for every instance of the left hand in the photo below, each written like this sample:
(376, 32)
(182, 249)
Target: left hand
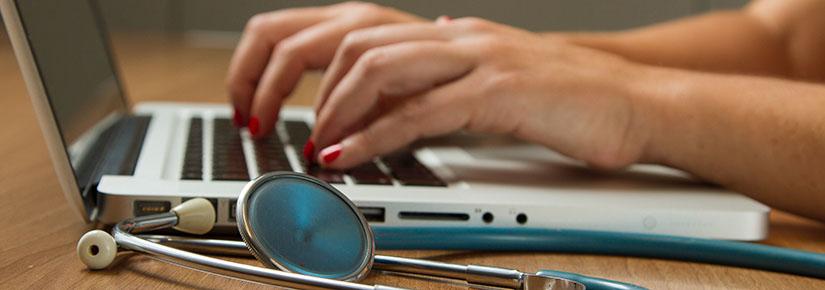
(390, 85)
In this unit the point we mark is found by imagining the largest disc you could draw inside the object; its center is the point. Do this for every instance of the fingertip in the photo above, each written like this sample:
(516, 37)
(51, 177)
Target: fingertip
(309, 151)
(254, 126)
(328, 155)
(237, 119)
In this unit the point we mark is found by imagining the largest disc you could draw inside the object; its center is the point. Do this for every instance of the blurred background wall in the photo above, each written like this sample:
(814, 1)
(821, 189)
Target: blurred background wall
(230, 15)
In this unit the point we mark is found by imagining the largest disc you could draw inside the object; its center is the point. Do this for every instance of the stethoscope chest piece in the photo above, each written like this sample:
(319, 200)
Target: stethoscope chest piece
(298, 224)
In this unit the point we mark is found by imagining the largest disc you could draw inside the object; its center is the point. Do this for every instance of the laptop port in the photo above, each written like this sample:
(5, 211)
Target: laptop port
(433, 216)
(521, 218)
(233, 213)
(487, 217)
(373, 214)
(148, 207)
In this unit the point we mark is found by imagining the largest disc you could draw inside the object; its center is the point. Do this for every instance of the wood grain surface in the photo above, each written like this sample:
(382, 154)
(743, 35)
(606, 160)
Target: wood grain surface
(39, 229)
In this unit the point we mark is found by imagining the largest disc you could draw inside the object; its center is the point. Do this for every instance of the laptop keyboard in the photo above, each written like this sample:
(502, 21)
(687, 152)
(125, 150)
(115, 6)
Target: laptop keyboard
(229, 162)
(193, 157)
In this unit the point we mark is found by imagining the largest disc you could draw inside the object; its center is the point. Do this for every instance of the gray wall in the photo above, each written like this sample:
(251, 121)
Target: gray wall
(230, 15)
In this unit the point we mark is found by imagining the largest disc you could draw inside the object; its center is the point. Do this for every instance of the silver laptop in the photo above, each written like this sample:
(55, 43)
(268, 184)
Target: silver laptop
(114, 160)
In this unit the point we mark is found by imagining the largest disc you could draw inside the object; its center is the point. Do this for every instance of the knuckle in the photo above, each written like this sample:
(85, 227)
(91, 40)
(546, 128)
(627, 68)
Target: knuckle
(289, 48)
(502, 82)
(258, 24)
(373, 61)
(352, 45)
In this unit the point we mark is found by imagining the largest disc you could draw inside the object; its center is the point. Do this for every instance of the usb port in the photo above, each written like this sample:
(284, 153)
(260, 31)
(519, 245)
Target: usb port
(233, 203)
(148, 207)
(373, 214)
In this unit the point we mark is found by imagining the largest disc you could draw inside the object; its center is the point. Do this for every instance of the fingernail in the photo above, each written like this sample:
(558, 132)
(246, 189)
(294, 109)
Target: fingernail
(254, 126)
(309, 151)
(443, 19)
(237, 119)
(329, 154)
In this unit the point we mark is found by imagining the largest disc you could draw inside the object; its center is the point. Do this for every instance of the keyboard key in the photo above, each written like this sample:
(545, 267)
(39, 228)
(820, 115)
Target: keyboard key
(270, 155)
(407, 170)
(298, 132)
(369, 173)
(193, 157)
(228, 161)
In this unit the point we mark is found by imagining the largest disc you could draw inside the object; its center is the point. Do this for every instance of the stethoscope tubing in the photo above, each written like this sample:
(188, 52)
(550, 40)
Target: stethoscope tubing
(730, 253)
(402, 265)
(126, 240)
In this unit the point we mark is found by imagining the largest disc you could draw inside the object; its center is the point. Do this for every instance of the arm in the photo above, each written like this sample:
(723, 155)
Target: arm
(759, 136)
(778, 38)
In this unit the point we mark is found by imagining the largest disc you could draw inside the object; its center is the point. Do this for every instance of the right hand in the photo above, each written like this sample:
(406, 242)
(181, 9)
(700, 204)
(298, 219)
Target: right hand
(278, 46)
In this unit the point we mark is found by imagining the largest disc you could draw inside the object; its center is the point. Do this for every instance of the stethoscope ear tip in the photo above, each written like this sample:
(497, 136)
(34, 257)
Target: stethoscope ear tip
(195, 216)
(97, 249)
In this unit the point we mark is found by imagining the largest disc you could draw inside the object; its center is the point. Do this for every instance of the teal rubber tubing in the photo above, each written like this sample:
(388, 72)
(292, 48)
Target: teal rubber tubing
(730, 253)
(591, 283)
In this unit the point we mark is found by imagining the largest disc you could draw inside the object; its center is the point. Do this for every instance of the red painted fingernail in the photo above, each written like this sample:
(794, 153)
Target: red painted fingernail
(309, 151)
(254, 126)
(237, 119)
(329, 154)
(443, 19)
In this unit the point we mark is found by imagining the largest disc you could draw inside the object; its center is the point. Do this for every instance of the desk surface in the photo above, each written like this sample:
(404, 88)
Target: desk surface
(38, 240)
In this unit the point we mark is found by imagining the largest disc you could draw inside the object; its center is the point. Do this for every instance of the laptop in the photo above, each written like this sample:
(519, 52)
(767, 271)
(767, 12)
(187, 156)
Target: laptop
(116, 160)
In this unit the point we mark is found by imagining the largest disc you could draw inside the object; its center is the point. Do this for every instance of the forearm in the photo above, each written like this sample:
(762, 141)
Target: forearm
(759, 136)
(732, 41)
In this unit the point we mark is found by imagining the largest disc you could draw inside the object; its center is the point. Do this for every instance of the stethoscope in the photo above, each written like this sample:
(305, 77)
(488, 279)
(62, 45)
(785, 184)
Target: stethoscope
(311, 236)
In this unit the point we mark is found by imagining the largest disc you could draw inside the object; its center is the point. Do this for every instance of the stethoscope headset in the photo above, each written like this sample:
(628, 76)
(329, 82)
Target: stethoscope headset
(310, 236)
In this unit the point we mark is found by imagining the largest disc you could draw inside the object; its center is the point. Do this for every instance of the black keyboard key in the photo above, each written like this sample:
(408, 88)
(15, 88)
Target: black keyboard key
(298, 132)
(331, 176)
(193, 175)
(270, 155)
(407, 170)
(369, 173)
(228, 161)
(193, 157)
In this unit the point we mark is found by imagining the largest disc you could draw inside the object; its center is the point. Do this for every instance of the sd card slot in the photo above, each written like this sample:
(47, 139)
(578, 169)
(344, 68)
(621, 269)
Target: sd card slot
(433, 216)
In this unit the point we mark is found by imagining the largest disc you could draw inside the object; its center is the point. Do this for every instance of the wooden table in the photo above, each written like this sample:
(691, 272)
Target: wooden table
(37, 243)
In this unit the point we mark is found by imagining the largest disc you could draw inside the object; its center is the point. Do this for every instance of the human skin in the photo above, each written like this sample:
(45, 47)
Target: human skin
(730, 97)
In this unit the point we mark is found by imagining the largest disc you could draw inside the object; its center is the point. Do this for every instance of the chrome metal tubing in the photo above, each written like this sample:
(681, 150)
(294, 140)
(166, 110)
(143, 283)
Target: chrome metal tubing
(203, 246)
(472, 274)
(479, 275)
(150, 223)
(225, 268)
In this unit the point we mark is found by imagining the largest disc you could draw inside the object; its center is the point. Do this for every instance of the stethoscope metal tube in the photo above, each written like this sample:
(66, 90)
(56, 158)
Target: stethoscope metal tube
(122, 234)
(472, 274)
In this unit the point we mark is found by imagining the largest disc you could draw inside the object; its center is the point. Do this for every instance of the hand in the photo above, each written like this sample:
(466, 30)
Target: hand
(390, 85)
(277, 47)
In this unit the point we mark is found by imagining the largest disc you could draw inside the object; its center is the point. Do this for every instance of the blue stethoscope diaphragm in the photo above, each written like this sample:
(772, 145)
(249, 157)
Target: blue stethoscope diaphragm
(298, 224)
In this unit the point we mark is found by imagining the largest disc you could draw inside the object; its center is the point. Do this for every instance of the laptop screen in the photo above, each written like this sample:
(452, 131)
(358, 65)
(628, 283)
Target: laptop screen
(72, 58)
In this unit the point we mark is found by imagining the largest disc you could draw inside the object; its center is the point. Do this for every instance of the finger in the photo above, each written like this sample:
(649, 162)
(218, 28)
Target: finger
(434, 113)
(392, 71)
(357, 42)
(311, 48)
(261, 34)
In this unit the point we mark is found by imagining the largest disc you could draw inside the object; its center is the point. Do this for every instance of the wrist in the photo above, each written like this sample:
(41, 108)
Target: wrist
(658, 95)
